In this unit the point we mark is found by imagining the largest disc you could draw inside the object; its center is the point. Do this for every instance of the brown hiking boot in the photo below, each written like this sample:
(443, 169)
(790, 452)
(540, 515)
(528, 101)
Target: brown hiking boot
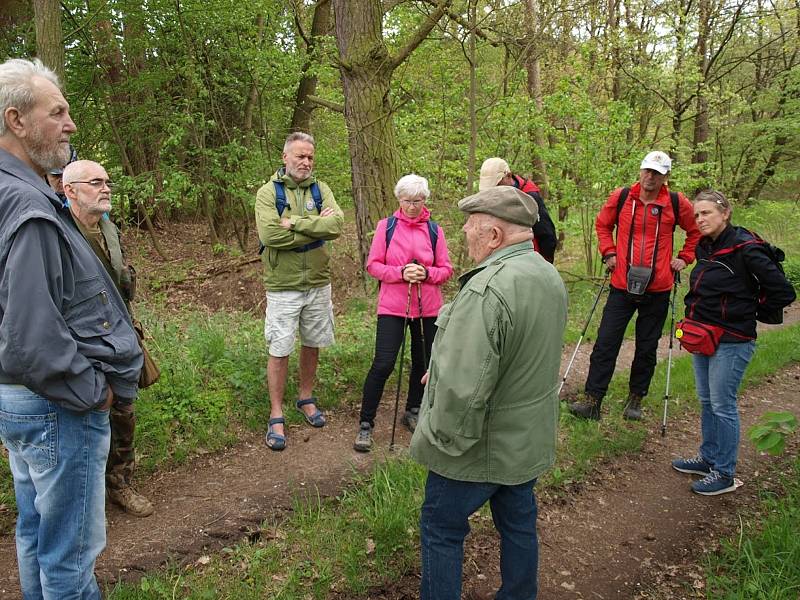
(586, 407)
(131, 501)
(633, 410)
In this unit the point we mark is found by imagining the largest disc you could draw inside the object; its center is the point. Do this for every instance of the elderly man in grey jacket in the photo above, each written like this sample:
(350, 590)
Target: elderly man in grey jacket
(67, 347)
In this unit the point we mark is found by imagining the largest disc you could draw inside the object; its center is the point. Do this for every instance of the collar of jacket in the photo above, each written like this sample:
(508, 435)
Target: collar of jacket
(14, 166)
(727, 237)
(422, 217)
(497, 256)
(291, 183)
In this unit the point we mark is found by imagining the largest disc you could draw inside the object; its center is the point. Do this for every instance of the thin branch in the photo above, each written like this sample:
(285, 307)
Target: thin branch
(334, 106)
(420, 35)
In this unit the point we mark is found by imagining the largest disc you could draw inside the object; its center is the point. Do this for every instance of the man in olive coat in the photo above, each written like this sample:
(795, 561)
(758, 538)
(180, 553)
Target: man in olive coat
(487, 426)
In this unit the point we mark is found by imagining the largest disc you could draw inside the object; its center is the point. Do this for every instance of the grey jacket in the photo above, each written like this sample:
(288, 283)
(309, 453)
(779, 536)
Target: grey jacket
(64, 330)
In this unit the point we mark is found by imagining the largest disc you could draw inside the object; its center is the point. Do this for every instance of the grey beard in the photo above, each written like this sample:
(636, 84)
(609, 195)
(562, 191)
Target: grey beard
(48, 159)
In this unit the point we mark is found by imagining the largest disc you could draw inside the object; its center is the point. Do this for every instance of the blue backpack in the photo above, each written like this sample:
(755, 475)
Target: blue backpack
(281, 204)
(433, 232)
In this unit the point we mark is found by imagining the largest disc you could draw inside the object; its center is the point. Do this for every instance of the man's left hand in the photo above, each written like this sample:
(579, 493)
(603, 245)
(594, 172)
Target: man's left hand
(677, 264)
(327, 212)
(286, 223)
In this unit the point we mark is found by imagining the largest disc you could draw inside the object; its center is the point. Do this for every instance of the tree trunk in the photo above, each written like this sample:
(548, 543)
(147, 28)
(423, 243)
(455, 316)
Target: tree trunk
(49, 39)
(701, 126)
(366, 69)
(539, 144)
(320, 25)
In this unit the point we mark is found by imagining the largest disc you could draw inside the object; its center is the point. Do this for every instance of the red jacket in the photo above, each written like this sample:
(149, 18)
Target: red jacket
(646, 222)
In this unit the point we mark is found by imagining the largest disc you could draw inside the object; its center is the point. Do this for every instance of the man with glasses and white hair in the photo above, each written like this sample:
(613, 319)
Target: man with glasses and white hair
(88, 191)
(67, 347)
(295, 215)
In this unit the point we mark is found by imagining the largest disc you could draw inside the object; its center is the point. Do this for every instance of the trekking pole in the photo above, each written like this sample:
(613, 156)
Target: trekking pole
(400, 368)
(421, 322)
(669, 355)
(583, 333)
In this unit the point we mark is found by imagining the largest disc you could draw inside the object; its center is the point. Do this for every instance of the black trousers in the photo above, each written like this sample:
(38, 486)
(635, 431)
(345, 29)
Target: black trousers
(652, 309)
(388, 338)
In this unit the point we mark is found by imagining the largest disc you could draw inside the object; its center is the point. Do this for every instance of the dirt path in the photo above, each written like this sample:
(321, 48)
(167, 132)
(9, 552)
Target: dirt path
(215, 500)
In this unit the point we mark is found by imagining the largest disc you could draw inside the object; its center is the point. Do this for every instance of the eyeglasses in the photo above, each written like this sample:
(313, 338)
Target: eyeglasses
(413, 202)
(97, 183)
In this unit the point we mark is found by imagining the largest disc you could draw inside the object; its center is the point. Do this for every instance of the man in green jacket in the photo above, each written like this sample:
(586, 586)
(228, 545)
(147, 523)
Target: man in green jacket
(295, 215)
(88, 192)
(487, 426)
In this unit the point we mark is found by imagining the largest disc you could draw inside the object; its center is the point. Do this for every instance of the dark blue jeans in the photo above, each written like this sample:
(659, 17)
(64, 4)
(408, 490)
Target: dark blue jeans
(617, 313)
(444, 525)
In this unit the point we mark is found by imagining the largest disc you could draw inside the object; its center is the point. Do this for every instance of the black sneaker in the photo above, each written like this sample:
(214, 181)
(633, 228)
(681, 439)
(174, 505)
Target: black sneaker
(363, 441)
(410, 419)
(714, 484)
(694, 465)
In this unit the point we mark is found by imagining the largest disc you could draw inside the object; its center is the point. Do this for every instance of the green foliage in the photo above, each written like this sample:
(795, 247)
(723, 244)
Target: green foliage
(770, 434)
(763, 561)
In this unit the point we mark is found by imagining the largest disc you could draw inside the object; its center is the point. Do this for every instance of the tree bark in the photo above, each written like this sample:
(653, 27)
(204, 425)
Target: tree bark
(303, 105)
(701, 127)
(366, 69)
(49, 38)
(535, 93)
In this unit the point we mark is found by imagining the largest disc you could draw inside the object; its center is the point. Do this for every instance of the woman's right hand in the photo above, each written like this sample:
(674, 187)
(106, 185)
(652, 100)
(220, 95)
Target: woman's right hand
(413, 273)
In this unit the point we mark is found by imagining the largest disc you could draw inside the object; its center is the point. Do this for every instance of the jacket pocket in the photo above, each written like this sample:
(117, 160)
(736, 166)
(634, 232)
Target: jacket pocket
(91, 315)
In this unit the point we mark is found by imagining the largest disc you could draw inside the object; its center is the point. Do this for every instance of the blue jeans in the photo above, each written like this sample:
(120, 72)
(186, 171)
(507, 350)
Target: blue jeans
(444, 525)
(58, 460)
(717, 378)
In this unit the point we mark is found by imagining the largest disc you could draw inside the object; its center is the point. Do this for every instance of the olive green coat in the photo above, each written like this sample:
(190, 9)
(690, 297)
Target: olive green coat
(286, 269)
(490, 409)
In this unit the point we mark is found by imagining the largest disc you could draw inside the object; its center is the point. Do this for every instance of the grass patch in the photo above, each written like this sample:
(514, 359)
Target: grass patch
(363, 538)
(763, 561)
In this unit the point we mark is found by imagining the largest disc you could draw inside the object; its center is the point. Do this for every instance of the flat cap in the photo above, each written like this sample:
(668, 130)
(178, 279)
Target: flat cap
(504, 202)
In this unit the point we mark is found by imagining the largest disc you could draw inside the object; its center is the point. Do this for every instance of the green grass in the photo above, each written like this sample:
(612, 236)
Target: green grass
(763, 561)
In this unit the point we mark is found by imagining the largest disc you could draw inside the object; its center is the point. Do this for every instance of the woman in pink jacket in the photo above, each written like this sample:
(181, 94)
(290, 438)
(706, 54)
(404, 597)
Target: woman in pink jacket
(409, 258)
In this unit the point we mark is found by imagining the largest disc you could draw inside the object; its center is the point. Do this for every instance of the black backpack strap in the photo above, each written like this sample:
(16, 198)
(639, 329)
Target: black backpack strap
(433, 232)
(676, 208)
(317, 196)
(623, 196)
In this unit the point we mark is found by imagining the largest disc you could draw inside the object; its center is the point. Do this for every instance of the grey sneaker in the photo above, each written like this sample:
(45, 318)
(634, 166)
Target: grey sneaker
(695, 465)
(410, 419)
(363, 441)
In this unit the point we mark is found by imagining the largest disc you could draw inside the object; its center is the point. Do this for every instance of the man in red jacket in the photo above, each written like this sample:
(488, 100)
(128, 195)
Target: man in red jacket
(640, 259)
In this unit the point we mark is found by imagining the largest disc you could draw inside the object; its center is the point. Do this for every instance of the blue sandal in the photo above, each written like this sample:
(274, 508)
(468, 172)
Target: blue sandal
(276, 441)
(315, 420)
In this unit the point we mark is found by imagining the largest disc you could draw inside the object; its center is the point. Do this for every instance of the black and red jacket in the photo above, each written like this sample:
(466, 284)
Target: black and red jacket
(544, 232)
(723, 290)
(652, 226)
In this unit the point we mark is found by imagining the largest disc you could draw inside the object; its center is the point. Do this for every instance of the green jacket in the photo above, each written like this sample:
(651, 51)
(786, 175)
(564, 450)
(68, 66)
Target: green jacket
(123, 274)
(490, 408)
(286, 269)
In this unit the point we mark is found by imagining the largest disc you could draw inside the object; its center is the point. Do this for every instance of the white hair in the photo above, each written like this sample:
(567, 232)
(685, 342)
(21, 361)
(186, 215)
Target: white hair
(16, 85)
(298, 136)
(412, 186)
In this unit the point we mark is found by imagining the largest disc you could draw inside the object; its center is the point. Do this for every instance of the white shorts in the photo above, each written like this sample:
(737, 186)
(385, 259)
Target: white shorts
(312, 311)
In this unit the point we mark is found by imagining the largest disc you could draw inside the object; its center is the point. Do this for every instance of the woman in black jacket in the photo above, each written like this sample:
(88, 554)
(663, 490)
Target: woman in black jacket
(734, 283)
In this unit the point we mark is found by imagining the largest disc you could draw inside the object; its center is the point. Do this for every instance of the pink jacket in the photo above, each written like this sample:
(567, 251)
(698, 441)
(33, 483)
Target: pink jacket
(411, 240)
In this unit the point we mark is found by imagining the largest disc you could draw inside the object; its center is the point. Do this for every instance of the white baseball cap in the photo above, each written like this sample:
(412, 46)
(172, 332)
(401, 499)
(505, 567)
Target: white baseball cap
(657, 161)
(492, 171)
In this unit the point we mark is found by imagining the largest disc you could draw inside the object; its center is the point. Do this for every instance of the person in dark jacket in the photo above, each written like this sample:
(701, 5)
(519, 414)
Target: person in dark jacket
(640, 258)
(67, 347)
(88, 190)
(495, 171)
(733, 274)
